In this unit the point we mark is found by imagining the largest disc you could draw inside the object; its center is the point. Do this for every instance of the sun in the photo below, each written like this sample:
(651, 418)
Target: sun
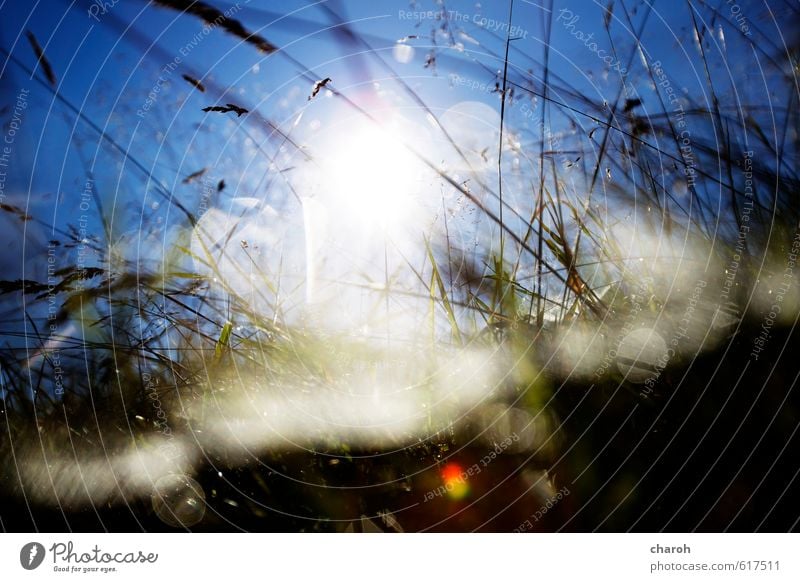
(368, 205)
(372, 176)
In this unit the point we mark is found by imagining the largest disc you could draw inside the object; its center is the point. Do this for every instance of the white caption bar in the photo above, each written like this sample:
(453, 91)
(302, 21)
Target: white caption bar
(406, 557)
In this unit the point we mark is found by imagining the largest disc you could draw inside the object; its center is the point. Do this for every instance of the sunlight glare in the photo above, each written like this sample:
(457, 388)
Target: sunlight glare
(373, 175)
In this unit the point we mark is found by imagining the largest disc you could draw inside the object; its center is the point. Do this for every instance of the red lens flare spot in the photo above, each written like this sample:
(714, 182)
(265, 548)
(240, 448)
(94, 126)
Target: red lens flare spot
(455, 481)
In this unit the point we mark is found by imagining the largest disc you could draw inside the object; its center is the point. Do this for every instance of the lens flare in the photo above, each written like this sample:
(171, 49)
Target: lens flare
(455, 481)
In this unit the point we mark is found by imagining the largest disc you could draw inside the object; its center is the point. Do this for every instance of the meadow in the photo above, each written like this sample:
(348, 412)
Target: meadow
(392, 267)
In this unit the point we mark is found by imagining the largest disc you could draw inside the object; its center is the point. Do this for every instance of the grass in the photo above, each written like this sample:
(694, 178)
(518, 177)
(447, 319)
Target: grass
(597, 234)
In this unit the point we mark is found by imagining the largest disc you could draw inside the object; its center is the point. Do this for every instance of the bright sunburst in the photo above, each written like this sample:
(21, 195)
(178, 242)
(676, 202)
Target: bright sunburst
(372, 175)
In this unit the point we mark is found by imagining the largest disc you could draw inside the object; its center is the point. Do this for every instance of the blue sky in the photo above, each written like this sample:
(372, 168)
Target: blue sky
(123, 71)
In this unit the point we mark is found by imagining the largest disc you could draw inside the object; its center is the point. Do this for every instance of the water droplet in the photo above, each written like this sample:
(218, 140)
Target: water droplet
(403, 53)
(179, 501)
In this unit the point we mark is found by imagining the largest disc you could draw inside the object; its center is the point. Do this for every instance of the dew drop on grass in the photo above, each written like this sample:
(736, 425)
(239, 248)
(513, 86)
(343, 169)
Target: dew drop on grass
(403, 53)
